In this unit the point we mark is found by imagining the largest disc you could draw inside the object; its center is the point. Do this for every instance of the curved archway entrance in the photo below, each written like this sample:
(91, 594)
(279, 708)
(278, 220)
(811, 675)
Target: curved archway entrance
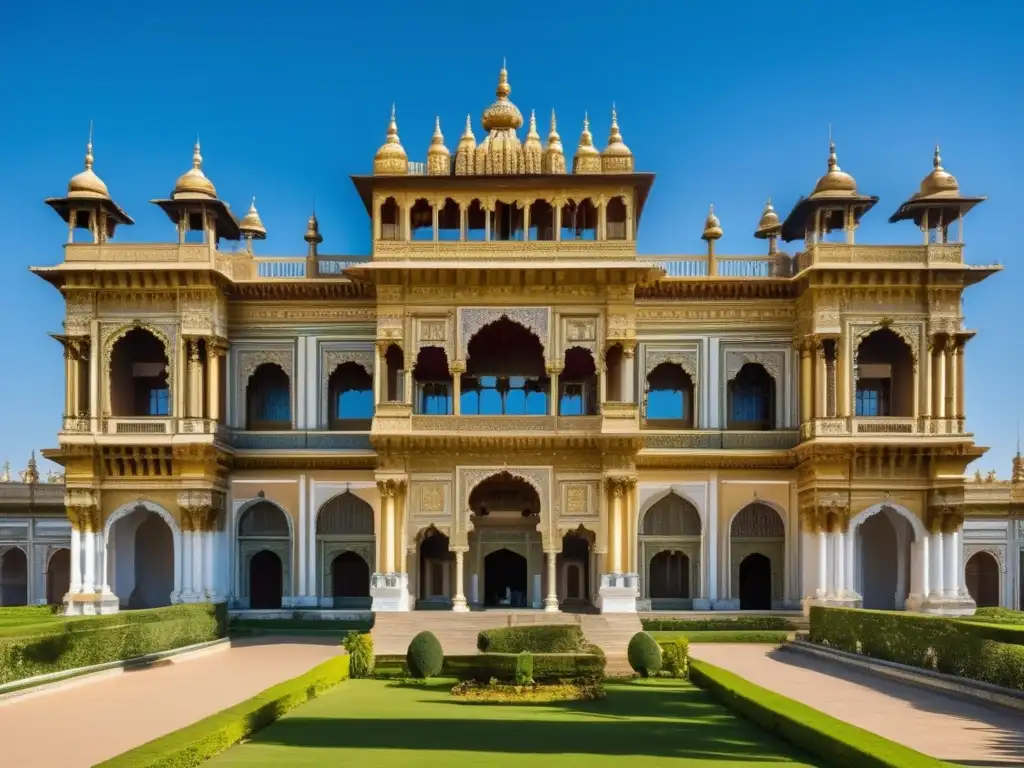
(14, 577)
(670, 576)
(982, 576)
(575, 569)
(58, 576)
(141, 569)
(350, 580)
(266, 580)
(755, 583)
(435, 572)
(505, 579)
(670, 544)
(883, 543)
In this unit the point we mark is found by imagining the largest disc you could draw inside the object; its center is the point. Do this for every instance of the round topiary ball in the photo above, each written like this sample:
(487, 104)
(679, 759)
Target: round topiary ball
(424, 657)
(644, 654)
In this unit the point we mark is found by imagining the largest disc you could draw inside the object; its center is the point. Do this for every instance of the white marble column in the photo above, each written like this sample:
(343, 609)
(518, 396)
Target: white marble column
(936, 580)
(949, 565)
(822, 589)
(89, 546)
(459, 601)
(840, 564)
(187, 594)
(76, 560)
(551, 601)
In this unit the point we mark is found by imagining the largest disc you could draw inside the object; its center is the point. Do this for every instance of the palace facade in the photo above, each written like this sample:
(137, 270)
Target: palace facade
(505, 405)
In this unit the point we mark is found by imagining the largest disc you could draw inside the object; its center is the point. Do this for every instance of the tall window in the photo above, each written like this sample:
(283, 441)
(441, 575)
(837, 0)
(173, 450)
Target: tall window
(159, 402)
(350, 388)
(873, 397)
(268, 399)
(577, 384)
(504, 395)
(752, 398)
(669, 403)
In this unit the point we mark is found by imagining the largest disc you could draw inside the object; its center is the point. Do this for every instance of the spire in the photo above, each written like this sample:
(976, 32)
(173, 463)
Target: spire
(502, 114)
(88, 150)
(532, 133)
(616, 157)
(712, 226)
(438, 156)
(31, 472)
(87, 183)
(464, 153)
(5, 476)
(193, 183)
(197, 158)
(251, 226)
(836, 182)
(391, 159)
(533, 150)
(554, 155)
(587, 159)
(313, 230)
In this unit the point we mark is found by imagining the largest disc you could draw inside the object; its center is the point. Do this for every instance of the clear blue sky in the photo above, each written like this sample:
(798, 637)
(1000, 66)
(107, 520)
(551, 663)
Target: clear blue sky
(725, 102)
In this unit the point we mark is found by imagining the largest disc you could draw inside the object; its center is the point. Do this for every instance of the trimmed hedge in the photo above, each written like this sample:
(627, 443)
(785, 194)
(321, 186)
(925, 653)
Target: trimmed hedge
(57, 646)
(644, 654)
(197, 743)
(524, 668)
(992, 616)
(360, 651)
(425, 656)
(964, 649)
(675, 656)
(833, 741)
(741, 636)
(746, 623)
(555, 638)
(547, 667)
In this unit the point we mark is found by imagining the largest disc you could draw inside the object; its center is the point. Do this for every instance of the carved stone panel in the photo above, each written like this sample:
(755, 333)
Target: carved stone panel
(434, 332)
(472, 319)
(470, 478)
(774, 362)
(685, 359)
(579, 332)
(579, 499)
(430, 497)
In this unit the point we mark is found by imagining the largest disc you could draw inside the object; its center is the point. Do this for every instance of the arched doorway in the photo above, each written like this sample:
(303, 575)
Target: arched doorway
(344, 526)
(139, 376)
(350, 578)
(263, 529)
(670, 576)
(982, 577)
(670, 551)
(505, 373)
(505, 579)
(757, 529)
(266, 580)
(755, 579)
(140, 562)
(883, 543)
(58, 576)
(573, 564)
(435, 571)
(14, 577)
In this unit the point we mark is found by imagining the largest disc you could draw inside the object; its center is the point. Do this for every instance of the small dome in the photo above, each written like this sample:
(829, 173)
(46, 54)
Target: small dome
(554, 154)
(836, 182)
(502, 113)
(251, 224)
(193, 183)
(939, 181)
(769, 223)
(437, 146)
(587, 159)
(391, 158)
(87, 183)
(313, 230)
(616, 146)
(712, 226)
(532, 137)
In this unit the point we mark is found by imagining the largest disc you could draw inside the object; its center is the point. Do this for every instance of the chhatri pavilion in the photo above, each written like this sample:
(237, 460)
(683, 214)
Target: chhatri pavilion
(504, 404)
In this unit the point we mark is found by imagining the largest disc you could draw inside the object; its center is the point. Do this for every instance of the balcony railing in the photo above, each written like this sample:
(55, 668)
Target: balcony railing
(880, 426)
(687, 266)
(299, 440)
(935, 254)
(724, 439)
(140, 253)
(139, 425)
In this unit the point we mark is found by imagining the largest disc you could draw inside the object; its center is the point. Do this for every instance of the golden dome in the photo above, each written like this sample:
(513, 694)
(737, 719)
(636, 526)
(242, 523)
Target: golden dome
(391, 158)
(532, 137)
(502, 113)
(769, 223)
(616, 157)
(467, 138)
(836, 182)
(554, 154)
(587, 159)
(251, 224)
(712, 226)
(193, 183)
(939, 181)
(437, 146)
(533, 150)
(439, 159)
(313, 230)
(87, 183)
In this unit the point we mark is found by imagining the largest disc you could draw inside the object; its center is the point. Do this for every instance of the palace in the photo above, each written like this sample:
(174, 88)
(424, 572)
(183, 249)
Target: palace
(504, 405)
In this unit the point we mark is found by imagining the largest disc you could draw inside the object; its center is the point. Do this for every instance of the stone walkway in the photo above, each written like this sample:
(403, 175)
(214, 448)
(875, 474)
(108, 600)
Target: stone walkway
(81, 724)
(933, 723)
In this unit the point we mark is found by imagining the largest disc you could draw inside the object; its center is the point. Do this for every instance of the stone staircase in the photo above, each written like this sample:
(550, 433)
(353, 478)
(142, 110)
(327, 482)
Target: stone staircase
(457, 632)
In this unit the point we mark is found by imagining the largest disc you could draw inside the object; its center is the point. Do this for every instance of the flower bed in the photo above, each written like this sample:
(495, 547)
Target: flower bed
(744, 623)
(492, 692)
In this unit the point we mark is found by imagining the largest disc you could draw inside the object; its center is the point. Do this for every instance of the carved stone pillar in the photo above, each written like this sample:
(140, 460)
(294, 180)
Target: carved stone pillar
(389, 587)
(961, 410)
(820, 379)
(844, 377)
(194, 407)
(457, 368)
(387, 495)
(553, 369)
(939, 379)
(69, 381)
(602, 382)
(380, 373)
(213, 353)
(196, 511)
(88, 592)
(459, 600)
(551, 601)
(806, 386)
(616, 488)
(628, 355)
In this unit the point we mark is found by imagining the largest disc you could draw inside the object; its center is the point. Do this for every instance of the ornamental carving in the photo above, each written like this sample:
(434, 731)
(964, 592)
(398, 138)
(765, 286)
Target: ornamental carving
(432, 498)
(773, 362)
(539, 478)
(78, 313)
(910, 333)
(758, 521)
(576, 500)
(250, 360)
(582, 333)
(471, 320)
(997, 552)
(115, 334)
(685, 360)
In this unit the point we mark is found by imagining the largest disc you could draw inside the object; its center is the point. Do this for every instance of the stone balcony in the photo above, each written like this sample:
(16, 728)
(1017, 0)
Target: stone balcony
(299, 440)
(845, 254)
(878, 427)
(720, 439)
(114, 429)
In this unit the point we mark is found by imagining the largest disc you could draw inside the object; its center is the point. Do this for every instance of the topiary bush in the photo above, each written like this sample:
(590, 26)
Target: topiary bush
(360, 651)
(425, 656)
(556, 638)
(675, 655)
(524, 668)
(644, 655)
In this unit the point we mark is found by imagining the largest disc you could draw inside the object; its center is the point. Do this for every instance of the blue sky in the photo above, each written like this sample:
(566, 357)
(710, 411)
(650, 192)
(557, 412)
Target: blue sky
(727, 103)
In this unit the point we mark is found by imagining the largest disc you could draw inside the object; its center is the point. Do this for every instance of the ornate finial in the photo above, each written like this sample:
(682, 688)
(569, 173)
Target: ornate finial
(587, 159)
(88, 150)
(393, 127)
(197, 158)
(616, 157)
(504, 89)
(554, 124)
(31, 474)
(468, 133)
(833, 161)
(391, 158)
(532, 133)
(438, 156)
(937, 160)
(712, 226)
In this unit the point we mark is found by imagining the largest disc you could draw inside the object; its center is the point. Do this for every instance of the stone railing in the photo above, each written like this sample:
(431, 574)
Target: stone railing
(299, 440)
(140, 253)
(247, 267)
(505, 250)
(138, 425)
(687, 266)
(876, 255)
(880, 426)
(720, 439)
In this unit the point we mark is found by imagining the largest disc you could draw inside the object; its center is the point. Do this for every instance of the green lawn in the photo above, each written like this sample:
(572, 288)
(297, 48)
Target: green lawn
(381, 723)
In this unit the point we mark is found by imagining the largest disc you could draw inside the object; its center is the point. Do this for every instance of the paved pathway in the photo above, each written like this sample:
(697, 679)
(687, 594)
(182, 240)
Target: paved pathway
(81, 724)
(943, 726)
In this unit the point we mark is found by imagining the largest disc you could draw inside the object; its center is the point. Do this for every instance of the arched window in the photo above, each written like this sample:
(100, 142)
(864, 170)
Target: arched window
(476, 221)
(138, 376)
(394, 366)
(615, 219)
(505, 372)
(449, 221)
(752, 398)
(577, 384)
(579, 220)
(433, 382)
(670, 398)
(350, 398)
(268, 399)
(885, 376)
(507, 222)
(390, 220)
(542, 221)
(421, 220)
